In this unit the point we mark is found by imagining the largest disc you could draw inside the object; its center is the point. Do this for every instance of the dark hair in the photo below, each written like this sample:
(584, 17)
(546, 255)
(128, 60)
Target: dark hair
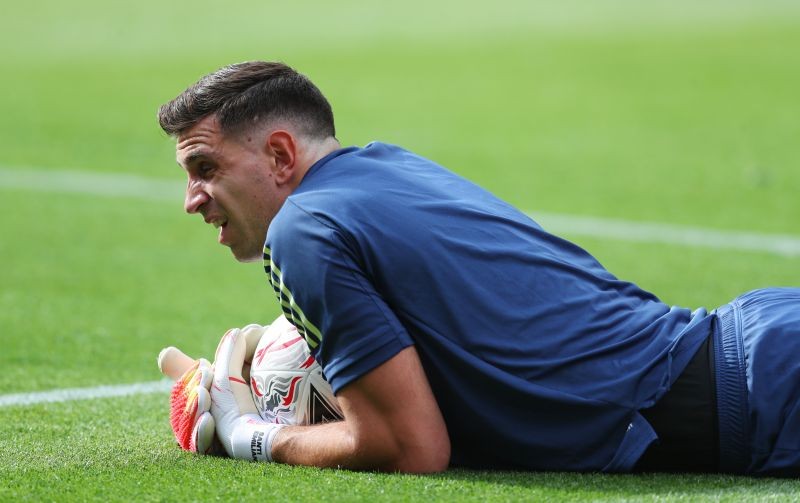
(248, 93)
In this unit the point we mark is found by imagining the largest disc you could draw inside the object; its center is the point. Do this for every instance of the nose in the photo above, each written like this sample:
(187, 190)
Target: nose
(196, 196)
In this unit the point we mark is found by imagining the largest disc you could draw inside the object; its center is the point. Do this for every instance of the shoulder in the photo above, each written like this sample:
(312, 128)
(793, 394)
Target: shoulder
(337, 191)
(300, 232)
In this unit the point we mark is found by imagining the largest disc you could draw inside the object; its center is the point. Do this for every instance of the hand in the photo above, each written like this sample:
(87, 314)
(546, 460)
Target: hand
(240, 429)
(192, 424)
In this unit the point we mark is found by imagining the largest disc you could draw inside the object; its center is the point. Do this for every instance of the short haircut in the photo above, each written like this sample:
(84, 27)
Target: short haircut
(246, 94)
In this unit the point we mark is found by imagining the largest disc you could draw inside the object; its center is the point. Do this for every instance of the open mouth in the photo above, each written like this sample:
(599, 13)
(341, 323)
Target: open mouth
(217, 222)
(221, 225)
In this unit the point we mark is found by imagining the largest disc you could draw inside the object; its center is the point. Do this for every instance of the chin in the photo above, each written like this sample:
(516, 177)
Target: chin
(247, 257)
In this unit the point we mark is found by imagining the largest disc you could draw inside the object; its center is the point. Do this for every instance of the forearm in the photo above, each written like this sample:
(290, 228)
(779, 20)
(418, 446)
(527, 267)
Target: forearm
(333, 445)
(380, 431)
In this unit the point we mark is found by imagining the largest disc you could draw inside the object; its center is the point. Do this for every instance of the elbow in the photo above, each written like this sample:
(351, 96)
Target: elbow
(434, 463)
(431, 455)
(432, 458)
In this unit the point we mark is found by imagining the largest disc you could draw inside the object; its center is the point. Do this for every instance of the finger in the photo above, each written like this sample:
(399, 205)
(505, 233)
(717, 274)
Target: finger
(228, 371)
(203, 402)
(206, 373)
(222, 359)
(173, 363)
(252, 334)
(183, 405)
(198, 382)
(202, 434)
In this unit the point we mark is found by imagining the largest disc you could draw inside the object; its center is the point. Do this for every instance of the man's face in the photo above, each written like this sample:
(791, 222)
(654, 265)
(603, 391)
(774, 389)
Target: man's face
(231, 184)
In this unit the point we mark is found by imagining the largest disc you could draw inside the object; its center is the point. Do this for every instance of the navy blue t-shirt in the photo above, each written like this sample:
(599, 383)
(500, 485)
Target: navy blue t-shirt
(537, 356)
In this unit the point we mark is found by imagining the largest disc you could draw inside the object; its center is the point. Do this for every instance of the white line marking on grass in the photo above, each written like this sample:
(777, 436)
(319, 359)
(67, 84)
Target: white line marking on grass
(116, 185)
(72, 394)
(648, 232)
(87, 182)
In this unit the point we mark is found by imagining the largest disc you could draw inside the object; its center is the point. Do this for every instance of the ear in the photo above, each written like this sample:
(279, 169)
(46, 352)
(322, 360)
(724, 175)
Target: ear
(282, 148)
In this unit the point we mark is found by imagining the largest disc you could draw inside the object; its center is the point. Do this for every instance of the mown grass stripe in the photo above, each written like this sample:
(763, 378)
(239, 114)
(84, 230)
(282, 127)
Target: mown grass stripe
(648, 232)
(92, 393)
(125, 185)
(91, 183)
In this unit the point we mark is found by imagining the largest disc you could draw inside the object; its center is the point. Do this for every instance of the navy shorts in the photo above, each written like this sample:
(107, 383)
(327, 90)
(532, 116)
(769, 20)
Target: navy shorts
(757, 360)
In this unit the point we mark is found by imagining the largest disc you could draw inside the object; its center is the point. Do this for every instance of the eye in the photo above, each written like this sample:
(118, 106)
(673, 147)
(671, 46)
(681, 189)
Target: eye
(205, 170)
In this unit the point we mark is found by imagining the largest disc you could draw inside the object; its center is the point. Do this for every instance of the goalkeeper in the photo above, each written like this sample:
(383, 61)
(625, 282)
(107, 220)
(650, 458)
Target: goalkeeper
(456, 331)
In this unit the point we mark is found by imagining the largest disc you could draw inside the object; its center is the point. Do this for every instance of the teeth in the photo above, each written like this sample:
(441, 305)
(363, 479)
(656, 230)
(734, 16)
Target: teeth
(217, 224)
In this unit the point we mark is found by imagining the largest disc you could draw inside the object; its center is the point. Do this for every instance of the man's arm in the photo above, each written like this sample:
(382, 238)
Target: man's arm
(392, 423)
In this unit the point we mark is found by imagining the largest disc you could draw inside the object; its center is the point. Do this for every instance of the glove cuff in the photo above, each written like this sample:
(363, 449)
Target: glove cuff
(252, 438)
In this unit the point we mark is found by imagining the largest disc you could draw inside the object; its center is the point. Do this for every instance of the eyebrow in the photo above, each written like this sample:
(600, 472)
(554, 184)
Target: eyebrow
(195, 156)
(191, 158)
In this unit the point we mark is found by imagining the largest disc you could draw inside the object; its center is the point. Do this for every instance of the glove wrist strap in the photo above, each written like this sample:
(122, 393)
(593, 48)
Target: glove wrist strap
(252, 438)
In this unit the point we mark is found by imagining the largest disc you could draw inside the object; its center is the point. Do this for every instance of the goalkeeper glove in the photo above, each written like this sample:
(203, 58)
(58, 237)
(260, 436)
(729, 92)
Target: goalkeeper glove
(190, 401)
(240, 429)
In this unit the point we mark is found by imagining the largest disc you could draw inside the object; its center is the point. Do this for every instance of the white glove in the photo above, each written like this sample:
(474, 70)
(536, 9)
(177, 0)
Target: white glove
(240, 429)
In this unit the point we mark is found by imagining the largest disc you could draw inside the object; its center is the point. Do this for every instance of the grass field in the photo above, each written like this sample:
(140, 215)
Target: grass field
(684, 115)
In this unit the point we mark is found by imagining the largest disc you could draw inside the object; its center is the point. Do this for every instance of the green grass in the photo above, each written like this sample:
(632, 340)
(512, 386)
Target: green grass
(684, 114)
(120, 450)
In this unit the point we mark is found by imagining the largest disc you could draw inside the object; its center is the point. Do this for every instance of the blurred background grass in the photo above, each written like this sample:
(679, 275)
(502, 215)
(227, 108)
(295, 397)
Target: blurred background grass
(679, 112)
(683, 113)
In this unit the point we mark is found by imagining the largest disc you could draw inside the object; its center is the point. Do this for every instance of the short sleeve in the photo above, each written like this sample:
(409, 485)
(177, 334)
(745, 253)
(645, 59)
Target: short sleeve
(320, 282)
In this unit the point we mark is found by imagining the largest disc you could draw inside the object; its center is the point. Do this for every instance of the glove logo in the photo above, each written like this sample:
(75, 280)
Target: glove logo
(257, 445)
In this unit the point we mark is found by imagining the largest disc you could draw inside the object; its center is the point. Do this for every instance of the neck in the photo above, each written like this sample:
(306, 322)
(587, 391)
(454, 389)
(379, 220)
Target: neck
(323, 148)
(315, 151)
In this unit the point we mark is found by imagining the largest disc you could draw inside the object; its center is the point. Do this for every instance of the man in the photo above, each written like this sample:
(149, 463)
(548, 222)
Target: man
(453, 329)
